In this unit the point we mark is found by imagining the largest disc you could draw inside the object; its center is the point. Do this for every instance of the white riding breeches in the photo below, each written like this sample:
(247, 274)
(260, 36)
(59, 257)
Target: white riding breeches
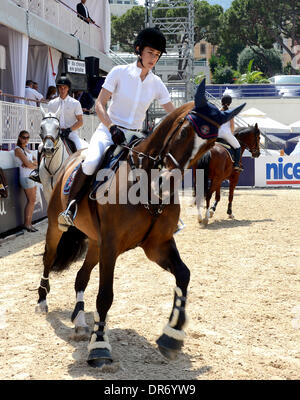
(100, 140)
(228, 136)
(79, 143)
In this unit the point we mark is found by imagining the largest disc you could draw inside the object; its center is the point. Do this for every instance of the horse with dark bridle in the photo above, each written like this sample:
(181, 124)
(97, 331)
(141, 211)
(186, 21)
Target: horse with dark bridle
(112, 229)
(218, 166)
(54, 150)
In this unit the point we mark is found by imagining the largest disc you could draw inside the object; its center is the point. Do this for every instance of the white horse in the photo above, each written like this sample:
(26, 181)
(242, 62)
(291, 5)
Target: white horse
(53, 150)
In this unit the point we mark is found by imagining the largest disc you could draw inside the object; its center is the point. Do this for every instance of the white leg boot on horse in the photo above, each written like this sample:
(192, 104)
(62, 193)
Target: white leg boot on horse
(166, 255)
(171, 341)
(78, 318)
(43, 291)
(81, 331)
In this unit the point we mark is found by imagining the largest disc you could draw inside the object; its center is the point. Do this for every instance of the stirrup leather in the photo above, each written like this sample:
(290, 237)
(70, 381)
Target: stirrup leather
(67, 217)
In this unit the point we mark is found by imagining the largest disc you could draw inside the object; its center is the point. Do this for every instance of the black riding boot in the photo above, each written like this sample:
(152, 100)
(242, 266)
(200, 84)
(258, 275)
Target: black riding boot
(77, 191)
(237, 157)
(34, 174)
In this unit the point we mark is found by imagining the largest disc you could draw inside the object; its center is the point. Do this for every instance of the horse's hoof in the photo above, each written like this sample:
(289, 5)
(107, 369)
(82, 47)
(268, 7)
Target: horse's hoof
(99, 357)
(205, 222)
(168, 346)
(41, 308)
(81, 333)
(168, 353)
(211, 213)
(231, 216)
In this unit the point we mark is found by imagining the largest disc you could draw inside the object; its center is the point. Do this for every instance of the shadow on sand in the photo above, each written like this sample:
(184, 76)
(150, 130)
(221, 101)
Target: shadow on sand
(135, 358)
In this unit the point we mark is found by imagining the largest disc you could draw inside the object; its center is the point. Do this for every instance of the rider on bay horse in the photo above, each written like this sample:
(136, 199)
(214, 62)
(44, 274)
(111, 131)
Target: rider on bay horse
(131, 88)
(226, 132)
(70, 118)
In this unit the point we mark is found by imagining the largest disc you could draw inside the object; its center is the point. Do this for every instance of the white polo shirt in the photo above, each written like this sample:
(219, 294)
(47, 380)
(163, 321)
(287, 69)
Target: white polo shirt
(131, 97)
(70, 107)
(33, 94)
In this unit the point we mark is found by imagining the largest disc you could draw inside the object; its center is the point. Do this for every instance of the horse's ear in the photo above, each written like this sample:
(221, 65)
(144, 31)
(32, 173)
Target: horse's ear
(43, 111)
(200, 99)
(232, 113)
(256, 126)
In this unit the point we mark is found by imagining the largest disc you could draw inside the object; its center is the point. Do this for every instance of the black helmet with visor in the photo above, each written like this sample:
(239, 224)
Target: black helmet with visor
(150, 37)
(63, 80)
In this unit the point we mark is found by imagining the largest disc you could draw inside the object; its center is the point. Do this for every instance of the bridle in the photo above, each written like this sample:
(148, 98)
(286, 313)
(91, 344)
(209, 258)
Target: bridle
(158, 160)
(254, 151)
(56, 147)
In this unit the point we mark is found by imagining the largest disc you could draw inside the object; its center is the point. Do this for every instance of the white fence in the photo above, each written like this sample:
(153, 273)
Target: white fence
(65, 19)
(16, 117)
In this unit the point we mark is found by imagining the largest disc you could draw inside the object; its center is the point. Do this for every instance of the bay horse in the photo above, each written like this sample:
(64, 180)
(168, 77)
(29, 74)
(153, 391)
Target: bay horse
(54, 151)
(113, 229)
(218, 166)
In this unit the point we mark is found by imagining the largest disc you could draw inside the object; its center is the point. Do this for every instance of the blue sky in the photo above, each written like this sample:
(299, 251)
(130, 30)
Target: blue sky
(224, 3)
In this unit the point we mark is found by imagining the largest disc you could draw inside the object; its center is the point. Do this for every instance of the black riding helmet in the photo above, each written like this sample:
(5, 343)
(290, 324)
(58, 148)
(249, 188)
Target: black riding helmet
(226, 100)
(63, 80)
(151, 37)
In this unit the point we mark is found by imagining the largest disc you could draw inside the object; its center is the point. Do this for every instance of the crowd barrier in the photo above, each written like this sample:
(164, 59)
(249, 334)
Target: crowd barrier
(12, 207)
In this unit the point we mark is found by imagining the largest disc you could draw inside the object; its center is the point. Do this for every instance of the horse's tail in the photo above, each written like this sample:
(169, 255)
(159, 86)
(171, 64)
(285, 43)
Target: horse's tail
(203, 163)
(71, 247)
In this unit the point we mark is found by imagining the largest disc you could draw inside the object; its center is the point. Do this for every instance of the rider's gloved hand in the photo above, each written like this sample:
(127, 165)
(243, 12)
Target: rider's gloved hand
(117, 135)
(66, 132)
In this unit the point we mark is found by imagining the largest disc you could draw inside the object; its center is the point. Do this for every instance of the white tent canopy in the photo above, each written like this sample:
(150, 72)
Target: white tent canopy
(269, 125)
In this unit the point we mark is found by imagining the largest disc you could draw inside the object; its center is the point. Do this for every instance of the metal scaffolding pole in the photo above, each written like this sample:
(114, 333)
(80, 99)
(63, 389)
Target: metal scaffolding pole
(179, 32)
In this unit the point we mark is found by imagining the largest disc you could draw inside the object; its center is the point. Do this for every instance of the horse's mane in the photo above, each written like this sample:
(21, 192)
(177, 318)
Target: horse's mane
(167, 122)
(242, 130)
(164, 128)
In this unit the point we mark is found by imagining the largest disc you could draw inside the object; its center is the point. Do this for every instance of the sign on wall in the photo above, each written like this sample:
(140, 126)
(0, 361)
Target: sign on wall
(76, 66)
(277, 171)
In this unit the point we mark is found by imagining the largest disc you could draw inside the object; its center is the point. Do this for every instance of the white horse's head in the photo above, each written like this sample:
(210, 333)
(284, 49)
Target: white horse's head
(49, 132)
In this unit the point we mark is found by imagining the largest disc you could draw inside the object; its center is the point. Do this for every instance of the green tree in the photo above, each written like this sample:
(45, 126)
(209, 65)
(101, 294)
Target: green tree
(272, 57)
(217, 62)
(263, 23)
(208, 22)
(125, 28)
(224, 75)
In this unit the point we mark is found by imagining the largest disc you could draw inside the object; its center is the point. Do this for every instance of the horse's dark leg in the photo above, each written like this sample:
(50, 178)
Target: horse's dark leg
(233, 182)
(167, 256)
(194, 167)
(208, 198)
(217, 199)
(52, 239)
(99, 347)
(82, 280)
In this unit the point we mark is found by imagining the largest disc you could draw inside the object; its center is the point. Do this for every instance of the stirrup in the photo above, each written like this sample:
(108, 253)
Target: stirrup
(66, 218)
(180, 226)
(238, 168)
(34, 176)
